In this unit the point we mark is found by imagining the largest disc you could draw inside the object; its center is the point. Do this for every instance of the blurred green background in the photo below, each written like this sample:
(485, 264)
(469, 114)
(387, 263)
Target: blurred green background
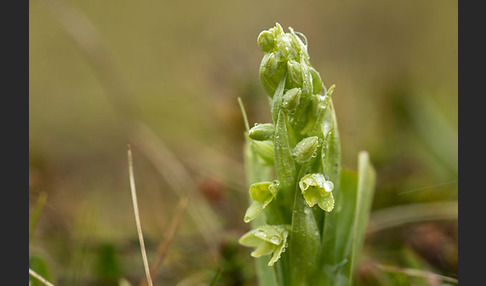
(164, 77)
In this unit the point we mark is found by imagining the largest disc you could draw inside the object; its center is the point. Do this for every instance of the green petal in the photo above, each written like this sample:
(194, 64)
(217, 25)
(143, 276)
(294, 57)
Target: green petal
(312, 195)
(264, 248)
(274, 188)
(260, 192)
(254, 210)
(327, 202)
(277, 253)
(267, 239)
(274, 234)
(249, 239)
(312, 180)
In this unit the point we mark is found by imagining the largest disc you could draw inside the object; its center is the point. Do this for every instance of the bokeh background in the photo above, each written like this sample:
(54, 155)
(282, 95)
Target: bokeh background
(164, 77)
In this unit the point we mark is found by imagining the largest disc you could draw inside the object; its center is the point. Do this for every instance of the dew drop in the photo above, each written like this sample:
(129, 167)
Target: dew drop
(328, 186)
(275, 240)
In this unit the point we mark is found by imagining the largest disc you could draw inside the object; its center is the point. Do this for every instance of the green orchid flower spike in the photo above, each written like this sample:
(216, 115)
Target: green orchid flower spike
(294, 163)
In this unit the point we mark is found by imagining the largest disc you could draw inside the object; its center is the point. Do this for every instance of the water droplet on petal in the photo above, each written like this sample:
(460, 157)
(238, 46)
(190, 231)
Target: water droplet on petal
(275, 240)
(328, 186)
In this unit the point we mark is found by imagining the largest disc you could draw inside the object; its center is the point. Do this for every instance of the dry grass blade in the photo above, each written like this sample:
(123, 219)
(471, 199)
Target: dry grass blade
(178, 177)
(399, 215)
(40, 278)
(137, 217)
(164, 246)
(416, 272)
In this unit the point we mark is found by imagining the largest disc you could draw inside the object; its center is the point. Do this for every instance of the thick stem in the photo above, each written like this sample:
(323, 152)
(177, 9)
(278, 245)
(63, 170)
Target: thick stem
(304, 238)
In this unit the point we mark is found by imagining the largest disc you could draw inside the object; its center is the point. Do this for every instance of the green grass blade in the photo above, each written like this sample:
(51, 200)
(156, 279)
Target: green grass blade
(216, 277)
(344, 227)
(365, 192)
(36, 213)
(337, 235)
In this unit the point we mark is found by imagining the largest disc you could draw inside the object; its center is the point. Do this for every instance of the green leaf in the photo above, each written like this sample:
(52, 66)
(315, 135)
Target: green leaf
(344, 227)
(366, 189)
(284, 162)
(264, 150)
(304, 240)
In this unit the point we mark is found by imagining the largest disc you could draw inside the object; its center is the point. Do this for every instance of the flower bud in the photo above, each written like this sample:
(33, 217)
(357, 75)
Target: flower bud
(305, 149)
(266, 41)
(269, 65)
(271, 72)
(291, 99)
(307, 86)
(262, 132)
(295, 72)
(316, 81)
(277, 30)
(286, 47)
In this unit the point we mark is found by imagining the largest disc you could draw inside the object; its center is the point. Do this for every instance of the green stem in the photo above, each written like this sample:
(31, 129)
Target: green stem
(304, 238)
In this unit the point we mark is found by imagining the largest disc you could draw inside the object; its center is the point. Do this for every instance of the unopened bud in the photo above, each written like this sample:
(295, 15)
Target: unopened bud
(269, 65)
(271, 72)
(316, 81)
(291, 99)
(262, 132)
(286, 46)
(295, 71)
(266, 41)
(305, 149)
